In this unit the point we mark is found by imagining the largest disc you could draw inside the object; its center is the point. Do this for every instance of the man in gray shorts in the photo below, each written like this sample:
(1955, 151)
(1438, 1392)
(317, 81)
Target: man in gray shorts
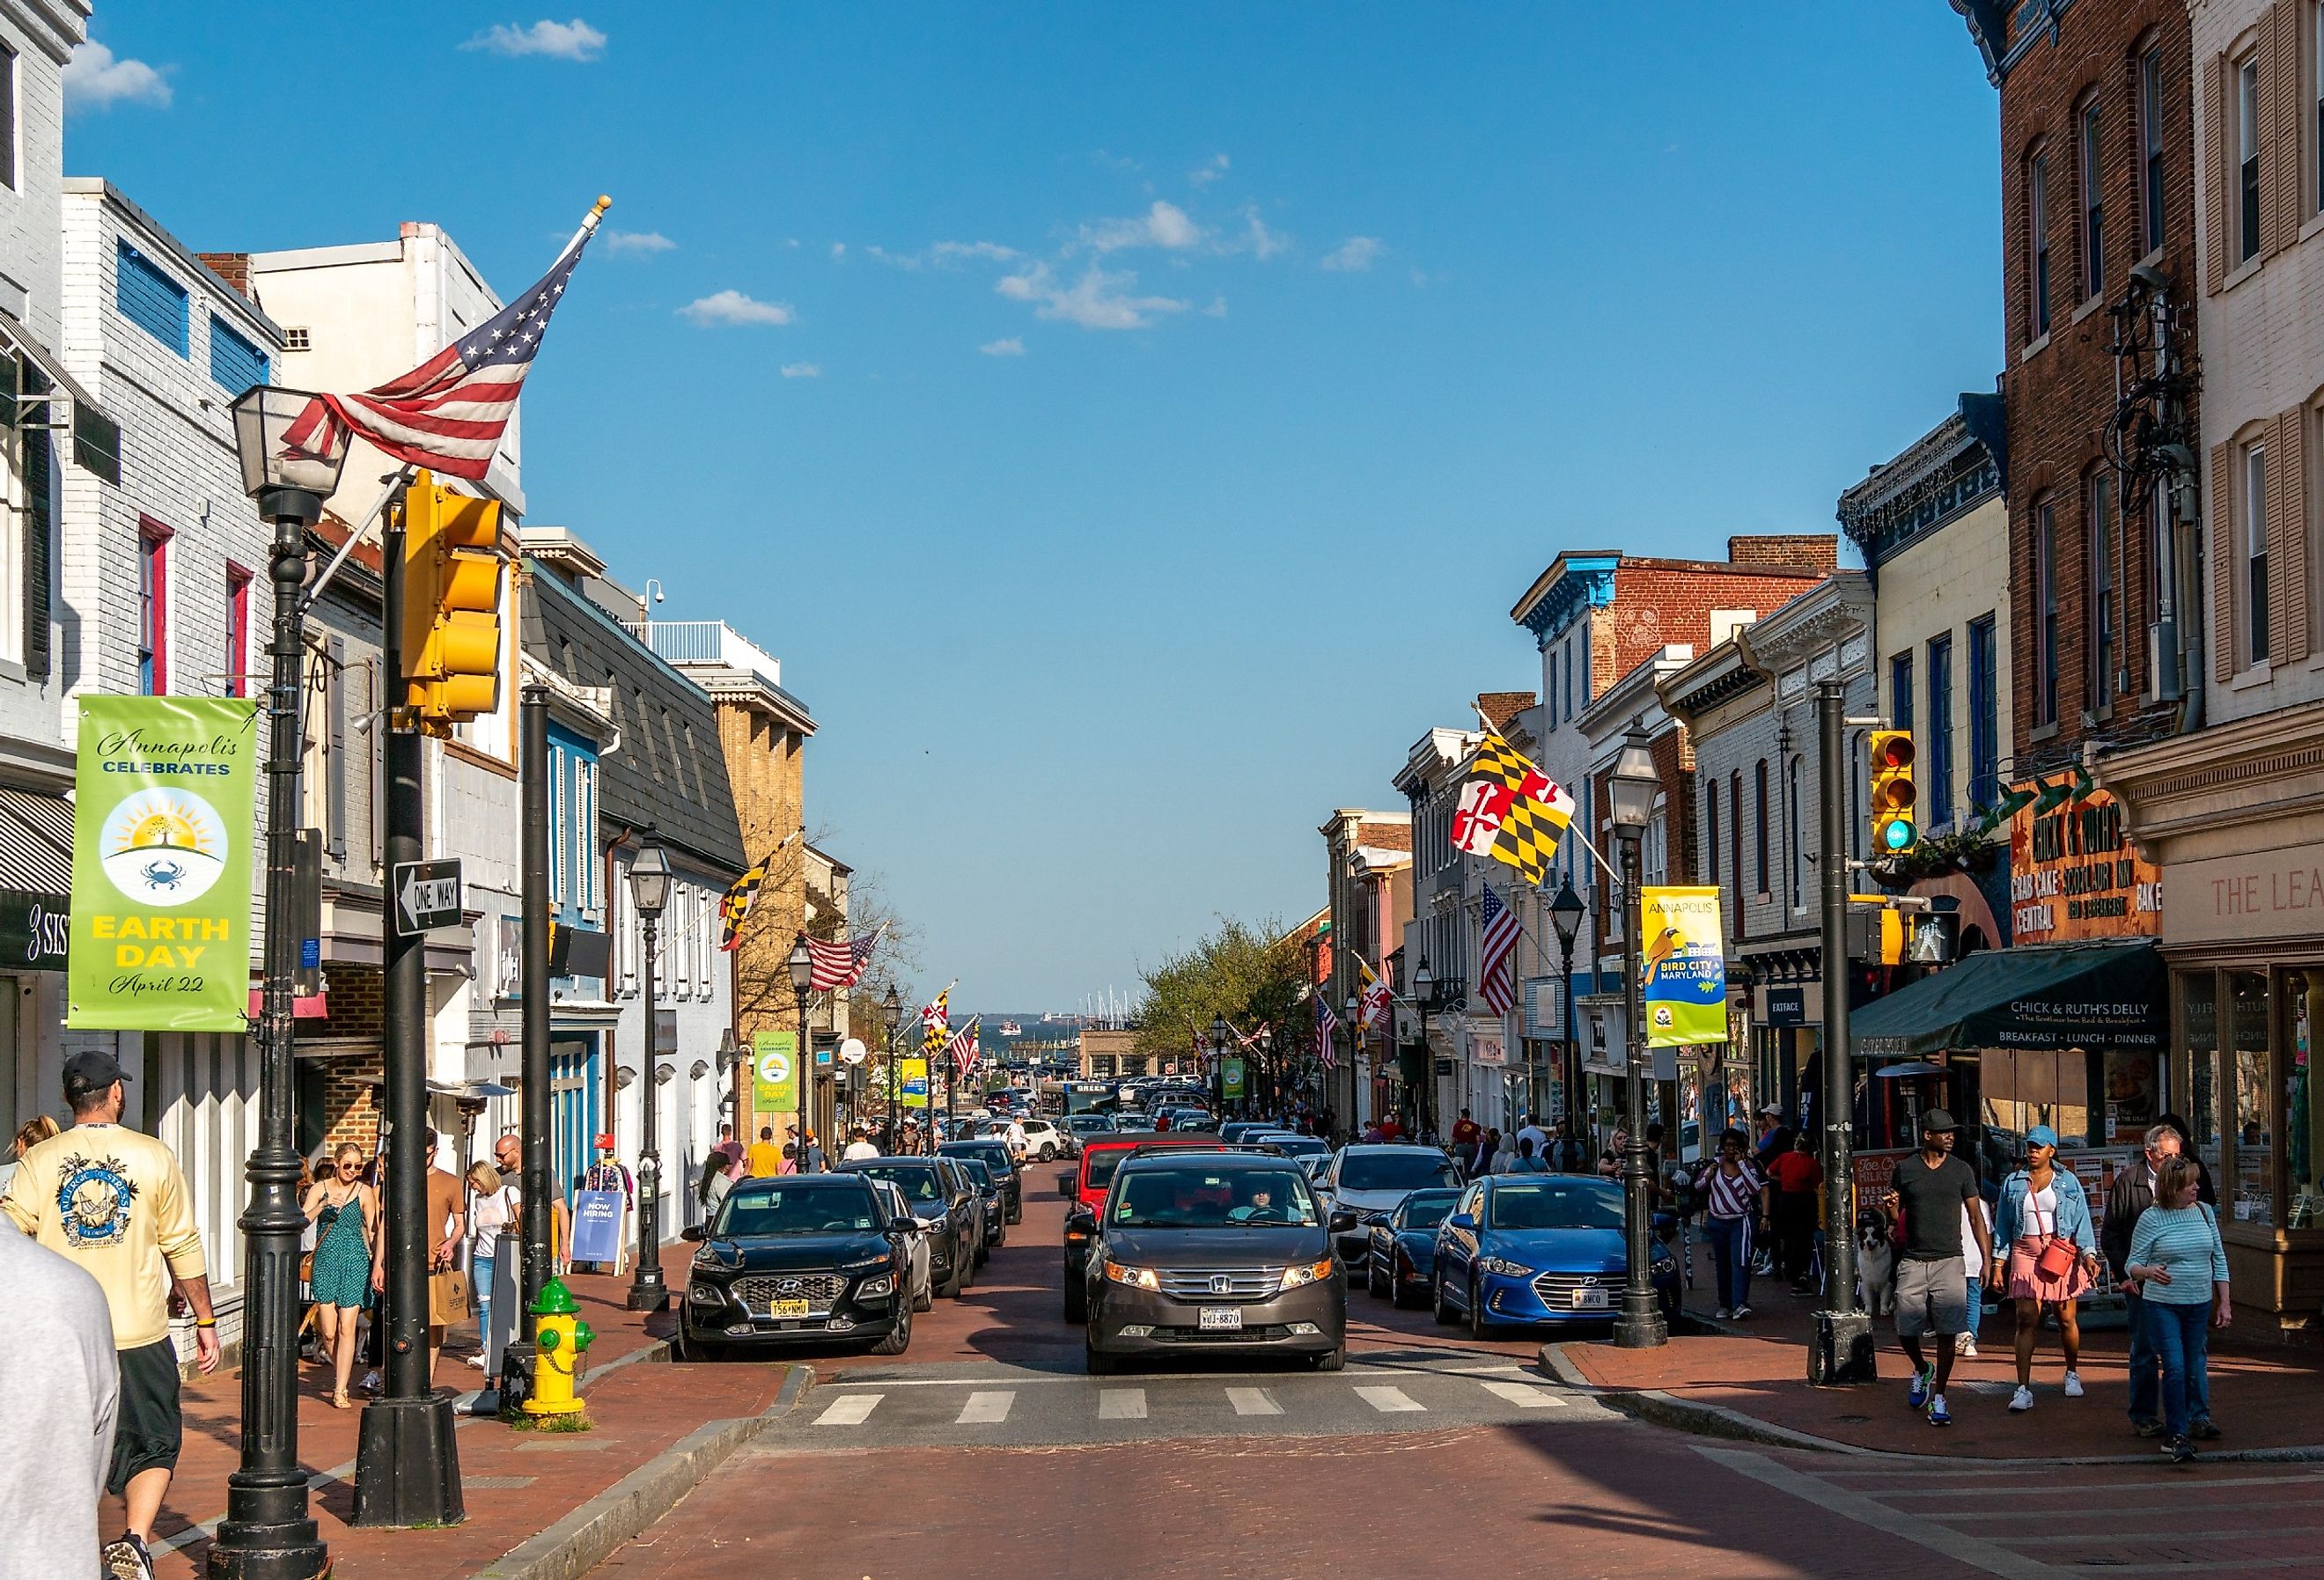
(1930, 1189)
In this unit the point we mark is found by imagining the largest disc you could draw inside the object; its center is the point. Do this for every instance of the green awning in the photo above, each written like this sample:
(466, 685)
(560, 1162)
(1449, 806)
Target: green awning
(2109, 994)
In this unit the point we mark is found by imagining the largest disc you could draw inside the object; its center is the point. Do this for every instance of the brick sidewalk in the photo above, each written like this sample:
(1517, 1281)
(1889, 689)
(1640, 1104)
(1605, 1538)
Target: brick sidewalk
(514, 1484)
(2263, 1396)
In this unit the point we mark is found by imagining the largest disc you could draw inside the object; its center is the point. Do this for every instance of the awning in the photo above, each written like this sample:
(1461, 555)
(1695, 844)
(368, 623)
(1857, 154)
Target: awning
(2109, 993)
(35, 879)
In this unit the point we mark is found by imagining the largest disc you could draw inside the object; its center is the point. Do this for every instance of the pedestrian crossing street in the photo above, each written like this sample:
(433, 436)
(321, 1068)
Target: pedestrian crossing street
(1033, 1407)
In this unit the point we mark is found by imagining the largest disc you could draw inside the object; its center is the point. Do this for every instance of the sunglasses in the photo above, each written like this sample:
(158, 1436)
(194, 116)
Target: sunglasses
(350, 1168)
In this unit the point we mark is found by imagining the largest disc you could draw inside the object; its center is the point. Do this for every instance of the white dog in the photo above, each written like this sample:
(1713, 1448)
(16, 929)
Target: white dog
(1875, 1264)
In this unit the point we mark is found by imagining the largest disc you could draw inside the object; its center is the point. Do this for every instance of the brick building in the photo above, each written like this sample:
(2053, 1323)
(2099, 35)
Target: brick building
(1371, 893)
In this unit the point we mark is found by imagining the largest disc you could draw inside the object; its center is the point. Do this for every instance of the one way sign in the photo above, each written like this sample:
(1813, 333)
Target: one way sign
(426, 895)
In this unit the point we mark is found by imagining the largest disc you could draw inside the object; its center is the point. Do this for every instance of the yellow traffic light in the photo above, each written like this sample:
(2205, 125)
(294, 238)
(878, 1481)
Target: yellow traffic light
(1895, 811)
(453, 574)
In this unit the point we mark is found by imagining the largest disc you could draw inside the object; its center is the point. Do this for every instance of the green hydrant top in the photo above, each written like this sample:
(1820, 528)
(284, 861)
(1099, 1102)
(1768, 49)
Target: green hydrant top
(556, 1301)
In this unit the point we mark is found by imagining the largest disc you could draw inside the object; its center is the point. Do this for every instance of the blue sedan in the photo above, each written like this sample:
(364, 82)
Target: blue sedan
(1538, 1249)
(1403, 1245)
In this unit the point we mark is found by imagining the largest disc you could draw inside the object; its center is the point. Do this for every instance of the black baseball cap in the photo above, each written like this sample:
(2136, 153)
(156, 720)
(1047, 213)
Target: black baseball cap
(1936, 1121)
(92, 1069)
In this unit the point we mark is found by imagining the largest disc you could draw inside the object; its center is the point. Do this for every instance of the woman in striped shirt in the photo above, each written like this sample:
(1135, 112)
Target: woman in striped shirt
(2181, 1272)
(1734, 1196)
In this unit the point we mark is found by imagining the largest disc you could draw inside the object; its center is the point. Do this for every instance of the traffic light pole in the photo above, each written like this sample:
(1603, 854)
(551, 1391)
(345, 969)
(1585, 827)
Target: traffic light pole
(407, 1463)
(532, 763)
(1842, 1351)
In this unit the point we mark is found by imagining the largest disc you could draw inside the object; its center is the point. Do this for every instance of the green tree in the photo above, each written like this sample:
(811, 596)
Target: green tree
(1250, 975)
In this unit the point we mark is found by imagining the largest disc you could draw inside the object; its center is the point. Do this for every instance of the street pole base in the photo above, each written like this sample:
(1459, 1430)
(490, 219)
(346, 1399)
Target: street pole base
(268, 1547)
(654, 1297)
(407, 1465)
(1640, 1327)
(1843, 1353)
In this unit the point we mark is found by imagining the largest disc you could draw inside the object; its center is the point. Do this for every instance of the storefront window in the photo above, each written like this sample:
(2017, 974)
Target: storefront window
(2254, 1109)
(2199, 1034)
(2030, 1087)
(2303, 1006)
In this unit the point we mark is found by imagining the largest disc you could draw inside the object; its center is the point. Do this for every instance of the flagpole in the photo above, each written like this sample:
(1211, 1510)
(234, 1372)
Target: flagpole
(589, 225)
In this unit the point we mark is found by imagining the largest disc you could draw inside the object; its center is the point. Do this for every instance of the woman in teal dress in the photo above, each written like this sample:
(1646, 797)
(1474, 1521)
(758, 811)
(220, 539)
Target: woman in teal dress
(346, 1214)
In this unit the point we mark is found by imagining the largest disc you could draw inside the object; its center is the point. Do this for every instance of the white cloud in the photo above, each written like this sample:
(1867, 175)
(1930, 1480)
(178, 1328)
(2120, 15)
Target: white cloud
(638, 241)
(95, 81)
(1208, 172)
(946, 251)
(839, 251)
(1165, 224)
(1263, 242)
(1012, 347)
(730, 307)
(1353, 255)
(1217, 309)
(1099, 299)
(801, 370)
(895, 260)
(560, 40)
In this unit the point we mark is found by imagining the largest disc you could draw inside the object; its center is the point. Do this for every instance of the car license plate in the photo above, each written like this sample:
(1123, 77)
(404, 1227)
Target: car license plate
(786, 1308)
(1221, 1318)
(1592, 1300)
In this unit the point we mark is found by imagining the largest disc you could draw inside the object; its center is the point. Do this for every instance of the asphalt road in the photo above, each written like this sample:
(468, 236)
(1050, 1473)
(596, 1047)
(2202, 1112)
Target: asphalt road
(984, 1451)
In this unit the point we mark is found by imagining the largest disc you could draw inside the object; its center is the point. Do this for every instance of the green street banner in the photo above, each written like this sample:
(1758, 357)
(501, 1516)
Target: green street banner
(165, 816)
(774, 1072)
(1230, 1079)
(1684, 966)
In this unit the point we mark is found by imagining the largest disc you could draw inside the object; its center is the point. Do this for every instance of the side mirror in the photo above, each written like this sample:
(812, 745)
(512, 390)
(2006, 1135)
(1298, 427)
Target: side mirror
(1462, 1220)
(1081, 1220)
(924, 1225)
(692, 1232)
(1341, 1221)
(1065, 1183)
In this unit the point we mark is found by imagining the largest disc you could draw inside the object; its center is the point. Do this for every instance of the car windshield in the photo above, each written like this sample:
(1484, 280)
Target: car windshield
(1425, 1209)
(916, 1183)
(978, 1171)
(1396, 1170)
(1213, 1199)
(1293, 1146)
(1557, 1204)
(991, 1154)
(808, 1209)
(1088, 1125)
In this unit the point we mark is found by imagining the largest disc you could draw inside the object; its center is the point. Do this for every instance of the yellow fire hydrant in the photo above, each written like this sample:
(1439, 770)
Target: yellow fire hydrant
(559, 1337)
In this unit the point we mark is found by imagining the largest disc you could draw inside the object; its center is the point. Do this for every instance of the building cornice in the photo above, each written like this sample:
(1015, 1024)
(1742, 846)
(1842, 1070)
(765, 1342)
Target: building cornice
(1816, 622)
(1575, 580)
(1719, 677)
(2250, 771)
(1440, 749)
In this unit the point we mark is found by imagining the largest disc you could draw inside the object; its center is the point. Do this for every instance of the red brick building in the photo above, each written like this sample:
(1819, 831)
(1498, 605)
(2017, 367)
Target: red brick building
(2097, 181)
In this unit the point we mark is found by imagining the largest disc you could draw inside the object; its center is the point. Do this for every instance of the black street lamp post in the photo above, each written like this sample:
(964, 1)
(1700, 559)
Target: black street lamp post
(891, 1015)
(1631, 789)
(650, 893)
(802, 969)
(1219, 1057)
(1266, 1067)
(267, 1533)
(1424, 998)
(1355, 1059)
(1566, 915)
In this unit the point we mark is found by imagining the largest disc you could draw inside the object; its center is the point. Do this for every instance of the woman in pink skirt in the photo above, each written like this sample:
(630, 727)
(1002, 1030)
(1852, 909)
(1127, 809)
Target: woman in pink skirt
(2044, 1218)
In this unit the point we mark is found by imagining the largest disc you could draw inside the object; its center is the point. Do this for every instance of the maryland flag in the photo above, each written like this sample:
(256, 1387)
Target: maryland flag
(1510, 811)
(1372, 997)
(936, 1026)
(735, 909)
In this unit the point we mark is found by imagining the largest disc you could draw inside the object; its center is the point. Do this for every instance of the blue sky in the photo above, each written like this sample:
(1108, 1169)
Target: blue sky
(1130, 426)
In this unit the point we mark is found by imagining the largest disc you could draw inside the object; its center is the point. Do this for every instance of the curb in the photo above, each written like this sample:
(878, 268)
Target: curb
(581, 1540)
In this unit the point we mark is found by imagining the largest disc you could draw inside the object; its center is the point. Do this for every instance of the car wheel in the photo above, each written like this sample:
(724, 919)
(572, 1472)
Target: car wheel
(1478, 1325)
(1048, 1153)
(899, 1339)
(1076, 1299)
(1017, 1214)
(1333, 1360)
(1438, 1306)
(967, 1261)
(1002, 1238)
(1373, 1283)
(951, 1285)
(1098, 1365)
(926, 1300)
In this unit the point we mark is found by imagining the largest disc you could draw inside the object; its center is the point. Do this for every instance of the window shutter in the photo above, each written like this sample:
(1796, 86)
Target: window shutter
(2287, 547)
(2217, 243)
(335, 807)
(2279, 514)
(2223, 575)
(2284, 123)
(40, 535)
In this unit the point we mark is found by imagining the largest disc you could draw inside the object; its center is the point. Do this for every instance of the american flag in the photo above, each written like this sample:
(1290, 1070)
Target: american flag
(1327, 1026)
(1496, 952)
(840, 962)
(449, 411)
(963, 1047)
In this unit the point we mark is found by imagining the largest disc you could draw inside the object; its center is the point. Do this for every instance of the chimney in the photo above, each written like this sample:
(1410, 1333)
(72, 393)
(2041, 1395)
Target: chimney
(234, 268)
(1500, 706)
(1808, 553)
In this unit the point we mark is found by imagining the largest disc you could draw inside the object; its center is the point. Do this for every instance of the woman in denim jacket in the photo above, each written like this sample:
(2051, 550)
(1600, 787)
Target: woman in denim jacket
(2041, 1203)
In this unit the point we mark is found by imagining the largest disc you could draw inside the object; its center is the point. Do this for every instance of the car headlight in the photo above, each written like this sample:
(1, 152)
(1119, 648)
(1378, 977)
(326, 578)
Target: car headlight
(871, 1288)
(701, 1294)
(1137, 1278)
(1314, 1272)
(1507, 1269)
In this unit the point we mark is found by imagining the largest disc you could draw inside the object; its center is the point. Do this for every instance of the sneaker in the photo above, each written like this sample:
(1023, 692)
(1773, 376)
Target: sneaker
(2073, 1385)
(477, 1361)
(2022, 1400)
(127, 1560)
(2203, 1428)
(2181, 1451)
(1722, 1315)
(1924, 1385)
(1939, 1416)
(1965, 1350)
(2149, 1428)
(1740, 1312)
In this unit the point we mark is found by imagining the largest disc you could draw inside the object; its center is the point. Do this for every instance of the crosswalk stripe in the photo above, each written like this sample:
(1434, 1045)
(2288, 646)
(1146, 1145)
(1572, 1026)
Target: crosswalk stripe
(985, 1409)
(1121, 1404)
(1253, 1401)
(1390, 1400)
(1525, 1397)
(849, 1409)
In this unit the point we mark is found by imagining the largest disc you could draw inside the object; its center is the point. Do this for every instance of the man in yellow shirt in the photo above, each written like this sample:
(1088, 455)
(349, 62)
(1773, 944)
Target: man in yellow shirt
(765, 1158)
(113, 1202)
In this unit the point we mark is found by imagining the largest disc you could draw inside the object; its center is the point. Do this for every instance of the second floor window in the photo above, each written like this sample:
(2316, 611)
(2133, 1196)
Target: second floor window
(1791, 833)
(1760, 789)
(2037, 245)
(1734, 861)
(2045, 613)
(2254, 535)
(2093, 206)
(1984, 715)
(1940, 732)
(2100, 597)
(2150, 137)
(2248, 160)
(1900, 692)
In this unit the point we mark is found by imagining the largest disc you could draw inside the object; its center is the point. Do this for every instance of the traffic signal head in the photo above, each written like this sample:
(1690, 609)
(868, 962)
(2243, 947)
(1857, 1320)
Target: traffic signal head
(1895, 827)
(453, 574)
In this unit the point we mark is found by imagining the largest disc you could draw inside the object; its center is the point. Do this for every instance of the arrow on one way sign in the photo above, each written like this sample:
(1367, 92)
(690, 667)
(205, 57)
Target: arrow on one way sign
(426, 895)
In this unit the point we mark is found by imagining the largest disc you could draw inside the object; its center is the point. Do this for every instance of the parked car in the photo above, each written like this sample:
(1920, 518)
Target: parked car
(1401, 1248)
(1315, 1166)
(946, 1206)
(994, 1217)
(1088, 1185)
(1538, 1249)
(1290, 1143)
(1080, 1129)
(797, 1259)
(996, 1157)
(1213, 1251)
(975, 1197)
(1235, 1130)
(1042, 1141)
(923, 1295)
(1369, 1179)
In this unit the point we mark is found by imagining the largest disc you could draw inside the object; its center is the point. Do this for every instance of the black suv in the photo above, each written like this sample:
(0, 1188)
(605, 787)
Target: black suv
(1213, 1251)
(946, 1206)
(800, 1258)
(993, 1153)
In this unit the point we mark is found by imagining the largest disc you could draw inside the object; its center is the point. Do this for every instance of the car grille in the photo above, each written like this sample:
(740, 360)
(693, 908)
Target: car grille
(1557, 1290)
(821, 1291)
(1239, 1283)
